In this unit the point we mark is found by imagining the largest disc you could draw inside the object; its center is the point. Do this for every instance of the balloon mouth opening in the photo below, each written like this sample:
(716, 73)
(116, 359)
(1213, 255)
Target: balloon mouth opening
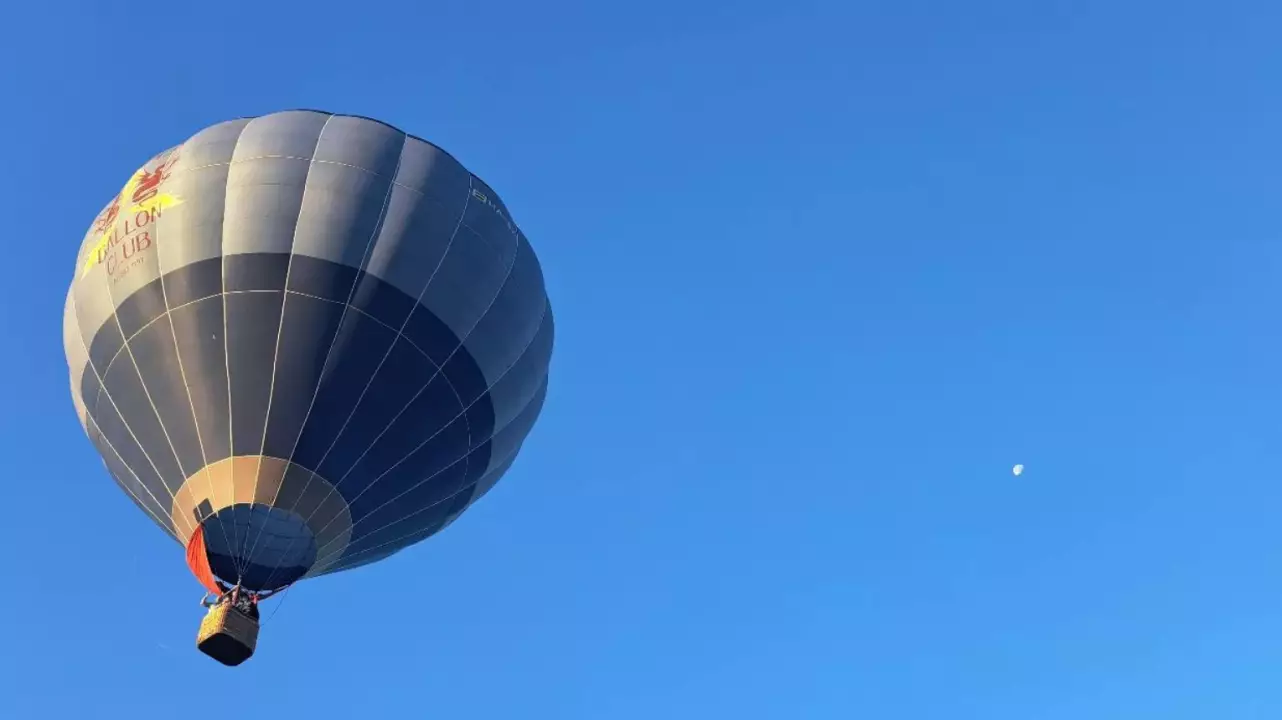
(258, 546)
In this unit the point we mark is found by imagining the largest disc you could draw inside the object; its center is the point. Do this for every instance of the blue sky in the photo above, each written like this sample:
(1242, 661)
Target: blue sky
(823, 273)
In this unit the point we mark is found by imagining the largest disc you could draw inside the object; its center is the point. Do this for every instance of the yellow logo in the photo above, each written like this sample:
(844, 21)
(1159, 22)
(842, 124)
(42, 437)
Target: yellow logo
(146, 203)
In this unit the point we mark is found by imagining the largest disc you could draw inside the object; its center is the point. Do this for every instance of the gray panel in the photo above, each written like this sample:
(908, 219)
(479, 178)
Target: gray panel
(513, 318)
(264, 197)
(199, 331)
(155, 358)
(523, 380)
(306, 322)
(122, 384)
(131, 258)
(82, 413)
(363, 558)
(266, 182)
(466, 284)
(507, 439)
(213, 145)
(117, 443)
(497, 470)
(253, 322)
(88, 256)
(293, 133)
(92, 298)
(420, 523)
(488, 218)
(128, 481)
(343, 208)
(428, 170)
(194, 227)
(426, 207)
(129, 276)
(74, 348)
(347, 192)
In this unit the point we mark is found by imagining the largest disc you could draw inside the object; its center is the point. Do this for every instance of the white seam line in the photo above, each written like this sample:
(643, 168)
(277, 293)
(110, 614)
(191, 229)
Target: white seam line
(231, 435)
(374, 234)
(102, 390)
(450, 243)
(189, 303)
(334, 564)
(77, 394)
(145, 506)
(347, 306)
(463, 411)
(439, 369)
(182, 372)
(280, 329)
(493, 434)
(468, 453)
(115, 316)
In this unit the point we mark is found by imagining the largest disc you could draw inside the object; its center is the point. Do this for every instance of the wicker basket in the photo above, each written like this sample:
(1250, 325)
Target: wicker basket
(227, 635)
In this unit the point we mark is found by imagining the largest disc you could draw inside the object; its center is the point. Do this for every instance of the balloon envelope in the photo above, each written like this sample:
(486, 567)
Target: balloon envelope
(306, 341)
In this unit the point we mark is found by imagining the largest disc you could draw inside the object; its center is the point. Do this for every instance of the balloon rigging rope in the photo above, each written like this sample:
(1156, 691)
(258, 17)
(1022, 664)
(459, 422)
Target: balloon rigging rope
(278, 606)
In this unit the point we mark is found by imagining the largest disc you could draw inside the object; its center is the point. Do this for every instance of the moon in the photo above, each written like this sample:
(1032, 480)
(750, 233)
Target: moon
(1017, 470)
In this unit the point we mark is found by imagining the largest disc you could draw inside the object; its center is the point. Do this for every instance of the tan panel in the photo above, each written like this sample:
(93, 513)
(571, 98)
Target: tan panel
(255, 479)
(244, 478)
(271, 473)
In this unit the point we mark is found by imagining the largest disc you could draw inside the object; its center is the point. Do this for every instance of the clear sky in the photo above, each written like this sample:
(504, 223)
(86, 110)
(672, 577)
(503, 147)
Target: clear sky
(823, 271)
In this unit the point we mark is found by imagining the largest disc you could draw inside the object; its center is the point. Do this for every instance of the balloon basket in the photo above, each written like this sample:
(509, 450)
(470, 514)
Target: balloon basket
(227, 635)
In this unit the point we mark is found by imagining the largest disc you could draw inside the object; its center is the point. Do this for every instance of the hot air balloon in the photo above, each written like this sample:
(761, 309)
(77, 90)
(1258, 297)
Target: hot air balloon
(301, 343)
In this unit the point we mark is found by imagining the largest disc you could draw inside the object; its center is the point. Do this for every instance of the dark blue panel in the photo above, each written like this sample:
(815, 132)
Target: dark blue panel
(153, 349)
(359, 348)
(121, 382)
(420, 525)
(383, 301)
(440, 344)
(467, 380)
(297, 479)
(441, 456)
(427, 491)
(435, 408)
(254, 271)
(307, 331)
(261, 547)
(370, 557)
(198, 328)
(133, 461)
(145, 304)
(90, 390)
(106, 344)
(253, 324)
(431, 334)
(403, 373)
(322, 279)
(201, 279)
(159, 509)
